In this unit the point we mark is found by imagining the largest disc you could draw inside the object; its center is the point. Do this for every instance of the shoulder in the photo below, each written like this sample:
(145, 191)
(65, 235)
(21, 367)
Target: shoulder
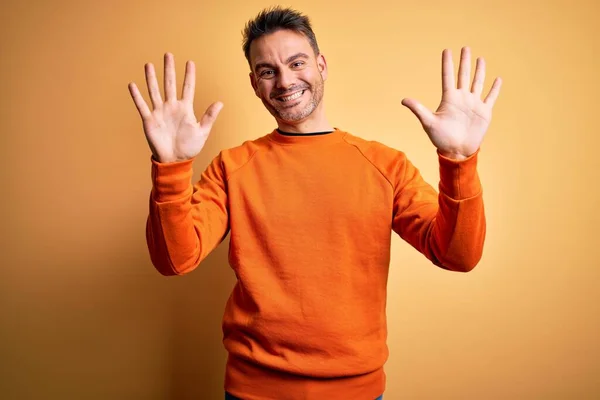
(382, 156)
(236, 157)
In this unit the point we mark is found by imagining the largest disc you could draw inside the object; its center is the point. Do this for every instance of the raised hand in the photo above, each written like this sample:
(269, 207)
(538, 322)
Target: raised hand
(171, 128)
(461, 120)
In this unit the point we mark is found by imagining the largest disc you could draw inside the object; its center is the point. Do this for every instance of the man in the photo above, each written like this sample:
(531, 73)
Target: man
(310, 210)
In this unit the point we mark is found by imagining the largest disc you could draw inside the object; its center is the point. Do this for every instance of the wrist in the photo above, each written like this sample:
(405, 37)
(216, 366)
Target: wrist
(453, 155)
(170, 160)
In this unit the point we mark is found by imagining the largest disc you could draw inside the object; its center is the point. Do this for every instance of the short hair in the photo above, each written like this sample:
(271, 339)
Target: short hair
(276, 18)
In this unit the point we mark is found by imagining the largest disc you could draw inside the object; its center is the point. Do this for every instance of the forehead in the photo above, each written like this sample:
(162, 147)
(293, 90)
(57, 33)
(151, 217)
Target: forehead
(278, 46)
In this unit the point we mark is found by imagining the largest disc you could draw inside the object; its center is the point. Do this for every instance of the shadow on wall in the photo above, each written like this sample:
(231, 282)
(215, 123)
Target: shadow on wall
(197, 355)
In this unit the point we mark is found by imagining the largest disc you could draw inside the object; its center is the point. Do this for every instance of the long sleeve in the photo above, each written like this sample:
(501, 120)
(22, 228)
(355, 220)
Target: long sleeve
(449, 227)
(185, 222)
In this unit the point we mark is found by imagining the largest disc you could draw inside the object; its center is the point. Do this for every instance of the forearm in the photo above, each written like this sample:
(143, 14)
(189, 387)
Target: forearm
(170, 234)
(447, 227)
(185, 222)
(457, 233)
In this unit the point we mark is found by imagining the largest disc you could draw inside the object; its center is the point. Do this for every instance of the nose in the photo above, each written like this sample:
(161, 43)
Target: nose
(285, 79)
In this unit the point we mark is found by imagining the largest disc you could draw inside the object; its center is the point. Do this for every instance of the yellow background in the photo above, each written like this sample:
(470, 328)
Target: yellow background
(84, 314)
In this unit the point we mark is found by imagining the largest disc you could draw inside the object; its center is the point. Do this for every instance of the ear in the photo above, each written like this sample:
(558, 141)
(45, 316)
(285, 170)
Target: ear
(322, 65)
(253, 83)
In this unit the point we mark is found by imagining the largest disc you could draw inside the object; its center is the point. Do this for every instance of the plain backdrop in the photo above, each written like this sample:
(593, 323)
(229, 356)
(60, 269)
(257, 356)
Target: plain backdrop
(84, 314)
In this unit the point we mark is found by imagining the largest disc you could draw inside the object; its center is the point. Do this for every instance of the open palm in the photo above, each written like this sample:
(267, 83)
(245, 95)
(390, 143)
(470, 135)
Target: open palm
(171, 128)
(461, 120)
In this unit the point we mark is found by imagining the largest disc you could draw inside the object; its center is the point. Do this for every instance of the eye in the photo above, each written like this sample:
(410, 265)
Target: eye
(267, 73)
(298, 64)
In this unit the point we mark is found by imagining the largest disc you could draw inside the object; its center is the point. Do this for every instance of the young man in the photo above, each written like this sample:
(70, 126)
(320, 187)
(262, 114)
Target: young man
(310, 210)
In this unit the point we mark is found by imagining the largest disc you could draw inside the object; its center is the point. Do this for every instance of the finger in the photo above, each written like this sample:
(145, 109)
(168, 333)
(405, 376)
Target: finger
(494, 92)
(423, 114)
(169, 78)
(140, 104)
(189, 82)
(479, 78)
(211, 114)
(153, 89)
(447, 70)
(464, 69)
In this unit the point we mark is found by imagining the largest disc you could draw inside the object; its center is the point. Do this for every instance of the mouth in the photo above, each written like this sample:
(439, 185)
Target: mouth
(290, 98)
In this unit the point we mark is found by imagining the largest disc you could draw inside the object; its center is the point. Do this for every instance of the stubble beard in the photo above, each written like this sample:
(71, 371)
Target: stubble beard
(288, 115)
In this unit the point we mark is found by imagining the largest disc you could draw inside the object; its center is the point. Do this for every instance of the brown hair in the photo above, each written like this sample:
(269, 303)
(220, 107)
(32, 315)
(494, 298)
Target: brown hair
(273, 19)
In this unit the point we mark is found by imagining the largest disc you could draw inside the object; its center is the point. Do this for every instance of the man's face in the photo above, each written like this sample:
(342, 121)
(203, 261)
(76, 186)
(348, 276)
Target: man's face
(286, 75)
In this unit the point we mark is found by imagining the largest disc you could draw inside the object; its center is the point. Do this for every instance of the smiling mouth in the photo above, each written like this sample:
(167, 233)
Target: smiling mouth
(290, 98)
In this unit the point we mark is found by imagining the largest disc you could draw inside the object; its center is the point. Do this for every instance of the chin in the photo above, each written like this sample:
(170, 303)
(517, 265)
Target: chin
(295, 118)
(297, 115)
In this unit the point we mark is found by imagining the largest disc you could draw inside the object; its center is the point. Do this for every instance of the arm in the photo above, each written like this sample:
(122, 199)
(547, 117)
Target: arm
(185, 222)
(449, 227)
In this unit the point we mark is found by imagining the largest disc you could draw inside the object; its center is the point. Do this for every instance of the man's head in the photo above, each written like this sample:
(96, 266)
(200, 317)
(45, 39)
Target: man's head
(287, 69)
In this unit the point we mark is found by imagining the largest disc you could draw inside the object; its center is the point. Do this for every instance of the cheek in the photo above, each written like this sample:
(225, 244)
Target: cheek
(263, 89)
(311, 77)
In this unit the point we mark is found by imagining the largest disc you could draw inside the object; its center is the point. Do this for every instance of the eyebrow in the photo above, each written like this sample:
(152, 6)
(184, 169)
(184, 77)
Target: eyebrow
(289, 60)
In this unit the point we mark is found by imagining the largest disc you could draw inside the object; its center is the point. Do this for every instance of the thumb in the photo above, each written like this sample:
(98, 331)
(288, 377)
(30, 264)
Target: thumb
(211, 114)
(422, 113)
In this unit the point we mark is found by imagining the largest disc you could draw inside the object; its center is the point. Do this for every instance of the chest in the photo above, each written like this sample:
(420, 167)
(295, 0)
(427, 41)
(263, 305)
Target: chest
(299, 191)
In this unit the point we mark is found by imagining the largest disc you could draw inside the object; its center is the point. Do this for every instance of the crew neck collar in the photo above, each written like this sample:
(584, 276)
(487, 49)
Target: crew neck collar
(307, 138)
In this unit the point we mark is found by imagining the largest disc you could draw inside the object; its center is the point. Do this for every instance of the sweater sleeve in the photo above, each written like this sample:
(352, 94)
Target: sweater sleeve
(186, 221)
(449, 227)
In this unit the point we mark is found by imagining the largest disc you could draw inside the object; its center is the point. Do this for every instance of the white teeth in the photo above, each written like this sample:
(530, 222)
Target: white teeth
(292, 97)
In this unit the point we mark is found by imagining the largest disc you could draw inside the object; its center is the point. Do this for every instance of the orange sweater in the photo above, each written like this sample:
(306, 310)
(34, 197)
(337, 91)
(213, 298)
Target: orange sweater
(311, 219)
